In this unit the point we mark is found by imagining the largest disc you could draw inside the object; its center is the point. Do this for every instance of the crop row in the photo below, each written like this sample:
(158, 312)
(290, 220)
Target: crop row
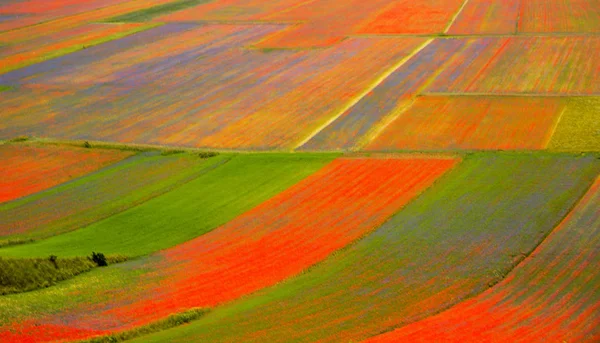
(26, 169)
(451, 243)
(94, 196)
(552, 296)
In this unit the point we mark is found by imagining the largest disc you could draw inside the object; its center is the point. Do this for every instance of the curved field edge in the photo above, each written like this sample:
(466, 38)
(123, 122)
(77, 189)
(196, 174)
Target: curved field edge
(344, 185)
(98, 195)
(559, 276)
(185, 212)
(422, 261)
(29, 168)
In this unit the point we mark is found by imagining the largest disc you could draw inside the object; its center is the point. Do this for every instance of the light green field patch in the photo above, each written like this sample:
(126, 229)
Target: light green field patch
(149, 13)
(579, 126)
(184, 213)
(98, 195)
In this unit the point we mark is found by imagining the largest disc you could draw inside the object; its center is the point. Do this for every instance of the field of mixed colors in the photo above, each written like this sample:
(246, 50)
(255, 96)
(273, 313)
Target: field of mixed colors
(299, 171)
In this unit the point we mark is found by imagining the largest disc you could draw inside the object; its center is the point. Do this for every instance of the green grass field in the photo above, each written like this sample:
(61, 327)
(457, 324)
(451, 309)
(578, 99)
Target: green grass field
(98, 195)
(185, 212)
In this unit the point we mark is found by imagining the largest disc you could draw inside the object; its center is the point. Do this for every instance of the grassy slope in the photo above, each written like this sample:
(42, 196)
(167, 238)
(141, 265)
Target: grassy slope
(21, 275)
(454, 241)
(184, 213)
(98, 195)
(85, 288)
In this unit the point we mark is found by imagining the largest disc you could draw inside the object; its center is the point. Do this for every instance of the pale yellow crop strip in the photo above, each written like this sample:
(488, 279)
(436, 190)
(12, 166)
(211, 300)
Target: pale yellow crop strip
(369, 89)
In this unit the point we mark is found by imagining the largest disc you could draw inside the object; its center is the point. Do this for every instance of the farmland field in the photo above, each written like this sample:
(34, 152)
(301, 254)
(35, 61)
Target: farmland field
(558, 276)
(299, 171)
(27, 169)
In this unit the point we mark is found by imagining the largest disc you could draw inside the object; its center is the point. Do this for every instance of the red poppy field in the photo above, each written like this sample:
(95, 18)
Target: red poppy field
(299, 171)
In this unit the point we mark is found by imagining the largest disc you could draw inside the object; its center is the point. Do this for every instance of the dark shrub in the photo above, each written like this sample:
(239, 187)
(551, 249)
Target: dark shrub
(87, 145)
(53, 259)
(207, 154)
(99, 259)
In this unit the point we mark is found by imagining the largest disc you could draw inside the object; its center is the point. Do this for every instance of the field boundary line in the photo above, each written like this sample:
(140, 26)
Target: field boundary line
(386, 121)
(456, 16)
(358, 98)
(552, 131)
(377, 129)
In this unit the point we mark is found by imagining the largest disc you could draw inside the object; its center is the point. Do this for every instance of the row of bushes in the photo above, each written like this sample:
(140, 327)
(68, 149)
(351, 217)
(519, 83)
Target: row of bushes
(22, 275)
(160, 325)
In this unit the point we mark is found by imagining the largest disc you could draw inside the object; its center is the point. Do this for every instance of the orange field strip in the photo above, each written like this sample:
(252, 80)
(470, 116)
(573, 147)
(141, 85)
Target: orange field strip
(28, 169)
(551, 296)
(559, 16)
(64, 23)
(64, 7)
(37, 51)
(469, 122)
(486, 17)
(533, 65)
(27, 13)
(324, 23)
(410, 16)
(234, 10)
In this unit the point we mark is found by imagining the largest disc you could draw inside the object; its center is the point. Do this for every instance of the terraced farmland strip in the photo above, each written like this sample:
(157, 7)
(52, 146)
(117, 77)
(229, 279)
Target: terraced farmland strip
(472, 122)
(98, 195)
(219, 95)
(20, 14)
(532, 65)
(152, 12)
(413, 17)
(279, 238)
(388, 97)
(487, 17)
(64, 7)
(552, 296)
(184, 213)
(323, 23)
(462, 235)
(559, 16)
(338, 75)
(56, 25)
(36, 52)
(26, 169)
(579, 126)
(234, 10)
